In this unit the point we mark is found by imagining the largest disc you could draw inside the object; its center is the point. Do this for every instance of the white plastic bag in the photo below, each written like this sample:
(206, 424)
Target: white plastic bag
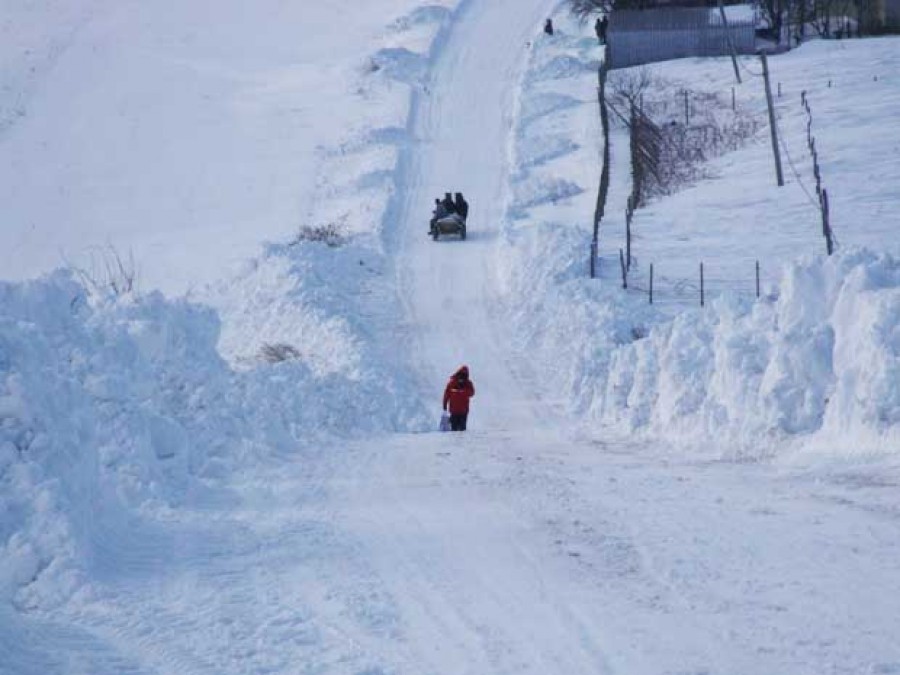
(445, 421)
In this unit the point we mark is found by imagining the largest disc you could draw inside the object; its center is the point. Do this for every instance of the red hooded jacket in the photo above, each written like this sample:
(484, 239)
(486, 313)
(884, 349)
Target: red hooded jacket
(458, 392)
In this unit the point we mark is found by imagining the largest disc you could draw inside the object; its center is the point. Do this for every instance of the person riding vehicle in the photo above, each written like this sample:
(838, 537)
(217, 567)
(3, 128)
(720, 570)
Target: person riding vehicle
(449, 216)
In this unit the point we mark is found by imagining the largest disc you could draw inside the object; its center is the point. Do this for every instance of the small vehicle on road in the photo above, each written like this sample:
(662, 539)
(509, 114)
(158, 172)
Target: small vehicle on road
(449, 216)
(451, 224)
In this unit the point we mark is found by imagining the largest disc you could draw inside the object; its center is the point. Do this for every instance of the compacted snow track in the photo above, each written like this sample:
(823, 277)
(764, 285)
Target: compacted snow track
(462, 131)
(518, 548)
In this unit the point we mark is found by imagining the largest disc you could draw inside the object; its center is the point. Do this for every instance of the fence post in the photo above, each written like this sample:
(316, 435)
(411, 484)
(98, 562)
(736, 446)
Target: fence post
(628, 217)
(779, 176)
(624, 271)
(702, 289)
(757, 278)
(826, 224)
(603, 189)
(734, 63)
(651, 283)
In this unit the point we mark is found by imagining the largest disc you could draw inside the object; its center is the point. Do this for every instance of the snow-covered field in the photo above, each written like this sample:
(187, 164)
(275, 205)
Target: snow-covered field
(817, 358)
(240, 476)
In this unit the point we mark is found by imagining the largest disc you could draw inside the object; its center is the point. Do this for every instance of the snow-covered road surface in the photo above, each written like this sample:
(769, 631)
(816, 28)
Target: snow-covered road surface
(498, 552)
(462, 127)
(527, 554)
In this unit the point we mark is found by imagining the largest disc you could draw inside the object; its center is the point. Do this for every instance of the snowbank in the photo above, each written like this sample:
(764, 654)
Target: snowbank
(815, 363)
(129, 403)
(823, 361)
(819, 363)
(113, 410)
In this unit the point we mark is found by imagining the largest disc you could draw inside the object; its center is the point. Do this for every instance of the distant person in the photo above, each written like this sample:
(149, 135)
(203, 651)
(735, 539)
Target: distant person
(438, 213)
(448, 203)
(548, 26)
(600, 27)
(462, 206)
(456, 398)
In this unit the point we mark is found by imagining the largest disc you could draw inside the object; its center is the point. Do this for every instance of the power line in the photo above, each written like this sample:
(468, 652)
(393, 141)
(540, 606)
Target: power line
(748, 71)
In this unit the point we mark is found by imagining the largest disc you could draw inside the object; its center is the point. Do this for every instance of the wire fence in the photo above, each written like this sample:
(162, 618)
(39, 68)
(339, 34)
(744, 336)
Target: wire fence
(817, 172)
(706, 126)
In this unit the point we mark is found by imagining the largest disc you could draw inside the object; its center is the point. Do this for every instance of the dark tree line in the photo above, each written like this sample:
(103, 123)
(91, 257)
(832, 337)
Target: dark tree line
(826, 18)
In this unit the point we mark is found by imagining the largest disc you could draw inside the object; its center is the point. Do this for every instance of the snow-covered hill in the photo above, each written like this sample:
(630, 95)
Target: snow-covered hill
(239, 476)
(815, 361)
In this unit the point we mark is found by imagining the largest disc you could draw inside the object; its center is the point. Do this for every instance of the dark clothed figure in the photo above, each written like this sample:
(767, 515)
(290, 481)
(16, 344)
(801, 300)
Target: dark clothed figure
(462, 206)
(456, 398)
(600, 26)
(458, 422)
(548, 27)
(439, 212)
(448, 203)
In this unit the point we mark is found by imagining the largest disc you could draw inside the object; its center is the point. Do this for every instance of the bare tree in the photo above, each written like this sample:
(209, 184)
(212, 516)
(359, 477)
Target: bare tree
(772, 12)
(584, 9)
(830, 16)
(628, 86)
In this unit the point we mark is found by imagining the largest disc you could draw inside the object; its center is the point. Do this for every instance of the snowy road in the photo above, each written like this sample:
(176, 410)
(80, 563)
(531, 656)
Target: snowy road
(463, 132)
(518, 547)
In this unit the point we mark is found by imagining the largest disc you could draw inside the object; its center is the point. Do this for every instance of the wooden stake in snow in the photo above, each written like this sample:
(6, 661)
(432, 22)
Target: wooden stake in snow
(778, 174)
(702, 290)
(734, 63)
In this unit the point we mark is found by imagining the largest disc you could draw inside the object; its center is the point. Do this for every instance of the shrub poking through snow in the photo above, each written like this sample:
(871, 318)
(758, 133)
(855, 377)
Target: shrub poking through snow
(278, 352)
(688, 128)
(109, 274)
(330, 234)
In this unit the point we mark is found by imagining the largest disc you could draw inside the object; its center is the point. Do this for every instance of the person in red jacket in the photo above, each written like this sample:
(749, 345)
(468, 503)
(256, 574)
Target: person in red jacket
(456, 398)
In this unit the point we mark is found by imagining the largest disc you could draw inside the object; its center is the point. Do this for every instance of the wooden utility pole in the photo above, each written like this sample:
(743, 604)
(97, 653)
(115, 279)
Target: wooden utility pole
(778, 174)
(737, 72)
(600, 207)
